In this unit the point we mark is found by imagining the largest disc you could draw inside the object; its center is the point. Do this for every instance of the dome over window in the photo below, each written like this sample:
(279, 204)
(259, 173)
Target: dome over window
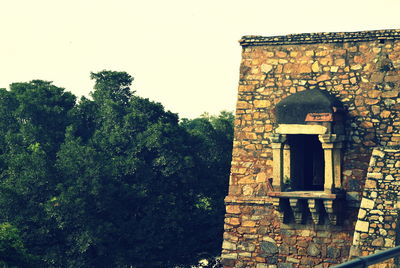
(299, 107)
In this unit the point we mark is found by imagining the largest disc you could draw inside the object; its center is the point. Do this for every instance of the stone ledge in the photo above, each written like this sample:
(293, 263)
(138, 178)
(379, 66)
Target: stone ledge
(306, 195)
(313, 38)
(253, 200)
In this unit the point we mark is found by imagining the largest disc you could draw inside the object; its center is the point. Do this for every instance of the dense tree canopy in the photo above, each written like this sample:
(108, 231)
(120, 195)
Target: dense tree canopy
(12, 250)
(112, 181)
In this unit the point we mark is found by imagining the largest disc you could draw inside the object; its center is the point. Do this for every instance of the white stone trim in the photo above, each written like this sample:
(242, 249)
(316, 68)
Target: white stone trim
(301, 129)
(331, 144)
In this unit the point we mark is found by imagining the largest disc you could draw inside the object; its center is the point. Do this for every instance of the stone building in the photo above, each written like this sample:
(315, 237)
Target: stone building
(316, 161)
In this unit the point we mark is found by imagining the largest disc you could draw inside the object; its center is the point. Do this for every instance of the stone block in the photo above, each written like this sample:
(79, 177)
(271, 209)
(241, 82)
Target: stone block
(281, 54)
(323, 77)
(390, 94)
(367, 203)
(229, 245)
(231, 237)
(377, 77)
(261, 103)
(247, 190)
(232, 209)
(374, 94)
(389, 243)
(367, 124)
(378, 153)
(356, 238)
(248, 223)
(334, 69)
(374, 175)
(285, 265)
(245, 246)
(232, 221)
(378, 242)
(292, 260)
(313, 250)
(361, 213)
(377, 212)
(245, 254)
(356, 67)
(232, 256)
(315, 67)
(269, 239)
(333, 252)
(370, 184)
(389, 178)
(227, 262)
(269, 248)
(362, 226)
(266, 68)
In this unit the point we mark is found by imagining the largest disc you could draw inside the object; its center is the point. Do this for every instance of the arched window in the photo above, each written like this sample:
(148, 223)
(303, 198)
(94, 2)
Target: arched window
(307, 153)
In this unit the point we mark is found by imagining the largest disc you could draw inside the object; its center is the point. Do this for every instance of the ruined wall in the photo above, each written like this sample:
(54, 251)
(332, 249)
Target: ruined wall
(362, 71)
(377, 224)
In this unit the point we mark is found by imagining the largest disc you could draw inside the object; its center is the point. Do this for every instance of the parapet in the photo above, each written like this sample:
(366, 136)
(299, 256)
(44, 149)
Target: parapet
(314, 38)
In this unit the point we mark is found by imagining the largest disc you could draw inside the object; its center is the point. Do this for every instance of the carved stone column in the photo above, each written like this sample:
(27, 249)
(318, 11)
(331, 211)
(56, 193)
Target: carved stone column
(286, 161)
(331, 143)
(277, 154)
(337, 164)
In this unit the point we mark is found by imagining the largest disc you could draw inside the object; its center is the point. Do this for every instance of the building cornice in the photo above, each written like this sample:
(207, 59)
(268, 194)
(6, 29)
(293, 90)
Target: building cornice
(315, 38)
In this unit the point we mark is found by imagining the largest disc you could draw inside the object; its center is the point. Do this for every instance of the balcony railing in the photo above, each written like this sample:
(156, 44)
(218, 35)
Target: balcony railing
(366, 261)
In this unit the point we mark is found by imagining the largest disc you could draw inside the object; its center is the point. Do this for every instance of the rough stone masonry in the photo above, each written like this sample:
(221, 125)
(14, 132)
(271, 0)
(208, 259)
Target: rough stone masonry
(319, 191)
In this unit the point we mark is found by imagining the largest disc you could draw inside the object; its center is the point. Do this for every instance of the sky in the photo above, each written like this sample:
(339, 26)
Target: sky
(182, 53)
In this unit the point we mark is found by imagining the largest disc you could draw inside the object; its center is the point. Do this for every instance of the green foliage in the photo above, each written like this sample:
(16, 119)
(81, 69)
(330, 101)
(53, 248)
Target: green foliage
(12, 250)
(110, 182)
(41, 111)
(211, 144)
(33, 130)
(112, 87)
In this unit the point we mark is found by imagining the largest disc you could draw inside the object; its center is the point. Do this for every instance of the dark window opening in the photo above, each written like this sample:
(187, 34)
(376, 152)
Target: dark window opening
(306, 163)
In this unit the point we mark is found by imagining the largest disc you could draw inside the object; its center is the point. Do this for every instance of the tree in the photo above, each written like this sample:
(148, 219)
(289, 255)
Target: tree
(127, 196)
(33, 129)
(112, 181)
(211, 143)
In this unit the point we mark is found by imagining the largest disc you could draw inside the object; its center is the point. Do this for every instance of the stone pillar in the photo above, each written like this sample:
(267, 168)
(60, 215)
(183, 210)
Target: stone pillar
(277, 154)
(337, 164)
(327, 145)
(331, 143)
(286, 161)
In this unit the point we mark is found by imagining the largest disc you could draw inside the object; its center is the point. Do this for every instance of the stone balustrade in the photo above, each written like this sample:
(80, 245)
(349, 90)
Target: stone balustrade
(298, 206)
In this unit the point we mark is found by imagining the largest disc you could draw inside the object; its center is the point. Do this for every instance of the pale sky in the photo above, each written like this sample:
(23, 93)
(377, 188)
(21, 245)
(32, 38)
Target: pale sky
(182, 53)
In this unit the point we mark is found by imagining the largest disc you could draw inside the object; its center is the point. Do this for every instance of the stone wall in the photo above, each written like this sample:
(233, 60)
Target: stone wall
(377, 224)
(254, 237)
(362, 71)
